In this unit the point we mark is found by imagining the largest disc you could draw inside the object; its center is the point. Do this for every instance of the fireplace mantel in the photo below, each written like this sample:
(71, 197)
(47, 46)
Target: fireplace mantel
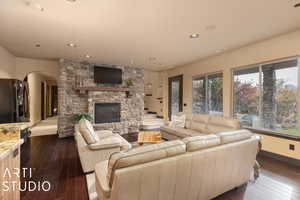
(114, 89)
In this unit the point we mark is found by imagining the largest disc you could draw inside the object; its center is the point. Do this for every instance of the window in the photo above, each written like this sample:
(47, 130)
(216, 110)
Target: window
(265, 96)
(208, 94)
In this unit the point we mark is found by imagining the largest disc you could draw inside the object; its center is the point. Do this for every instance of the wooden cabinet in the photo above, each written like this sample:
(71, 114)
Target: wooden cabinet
(8, 166)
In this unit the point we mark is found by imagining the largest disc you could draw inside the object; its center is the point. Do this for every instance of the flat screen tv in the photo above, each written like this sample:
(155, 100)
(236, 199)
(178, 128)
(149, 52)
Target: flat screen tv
(106, 75)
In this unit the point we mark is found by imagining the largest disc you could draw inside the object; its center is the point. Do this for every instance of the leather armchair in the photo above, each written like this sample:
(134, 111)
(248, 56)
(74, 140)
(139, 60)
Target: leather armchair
(90, 154)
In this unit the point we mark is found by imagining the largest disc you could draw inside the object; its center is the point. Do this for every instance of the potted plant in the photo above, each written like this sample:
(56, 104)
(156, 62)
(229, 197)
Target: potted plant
(129, 82)
(79, 116)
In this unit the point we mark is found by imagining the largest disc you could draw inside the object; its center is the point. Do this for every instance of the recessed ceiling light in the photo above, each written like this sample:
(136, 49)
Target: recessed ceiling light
(297, 5)
(32, 4)
(152, 58)
(39, 7)
(220, 50)
(87, 56)
(194, 35)
(72, 45)
(210, 27)
(37, 45)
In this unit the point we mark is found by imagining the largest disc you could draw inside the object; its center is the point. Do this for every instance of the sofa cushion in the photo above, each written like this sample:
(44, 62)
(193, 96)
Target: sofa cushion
(142, 155)
(87, 131)
(201, 142)
(104, 133)
(234, 136)
(199, 122)
(218, 124)
(180, 132)
(106, 143)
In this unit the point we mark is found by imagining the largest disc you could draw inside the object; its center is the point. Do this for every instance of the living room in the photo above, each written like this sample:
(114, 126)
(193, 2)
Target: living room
(149, 100)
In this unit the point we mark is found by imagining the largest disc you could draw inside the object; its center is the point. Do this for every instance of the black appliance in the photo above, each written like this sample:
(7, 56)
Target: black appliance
(107, 75)
(14, 105)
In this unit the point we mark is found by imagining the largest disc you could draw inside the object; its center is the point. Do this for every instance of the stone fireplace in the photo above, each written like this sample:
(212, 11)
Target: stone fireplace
(110, 109)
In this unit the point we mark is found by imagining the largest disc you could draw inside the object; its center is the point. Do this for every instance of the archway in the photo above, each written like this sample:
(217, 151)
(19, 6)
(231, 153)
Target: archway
(43, 98)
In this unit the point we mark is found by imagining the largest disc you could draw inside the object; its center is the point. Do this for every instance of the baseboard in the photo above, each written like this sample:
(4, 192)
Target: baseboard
(282, 158)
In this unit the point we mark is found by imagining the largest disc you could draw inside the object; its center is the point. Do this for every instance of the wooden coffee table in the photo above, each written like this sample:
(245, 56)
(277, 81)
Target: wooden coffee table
(149, 137)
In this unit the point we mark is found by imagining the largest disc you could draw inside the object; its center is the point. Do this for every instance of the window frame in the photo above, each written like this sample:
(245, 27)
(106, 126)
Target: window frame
(260, 65)
(205, 75)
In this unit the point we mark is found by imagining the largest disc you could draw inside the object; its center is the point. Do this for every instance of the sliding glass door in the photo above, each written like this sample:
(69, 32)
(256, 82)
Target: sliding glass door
(208, 94)
(175, 95)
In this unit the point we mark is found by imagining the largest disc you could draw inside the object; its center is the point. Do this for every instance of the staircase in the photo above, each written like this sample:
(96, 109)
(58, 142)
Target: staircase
(151, 121)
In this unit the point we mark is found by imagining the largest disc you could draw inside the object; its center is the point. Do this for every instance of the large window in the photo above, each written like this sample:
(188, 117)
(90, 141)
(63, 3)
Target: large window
(208, 94)
(265, 96)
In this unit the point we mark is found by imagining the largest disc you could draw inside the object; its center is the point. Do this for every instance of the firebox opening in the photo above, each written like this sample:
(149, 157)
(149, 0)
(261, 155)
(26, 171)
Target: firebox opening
(107, 112)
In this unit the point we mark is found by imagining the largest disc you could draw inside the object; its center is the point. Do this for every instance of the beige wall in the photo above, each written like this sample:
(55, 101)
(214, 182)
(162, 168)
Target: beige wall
(275, 48)
(48, 68)
(7, 64)
(280, 146)
(17, 67)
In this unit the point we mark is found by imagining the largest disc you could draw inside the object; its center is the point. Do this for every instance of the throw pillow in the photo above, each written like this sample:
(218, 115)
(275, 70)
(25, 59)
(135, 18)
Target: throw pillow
(87, 131)
(178, 120)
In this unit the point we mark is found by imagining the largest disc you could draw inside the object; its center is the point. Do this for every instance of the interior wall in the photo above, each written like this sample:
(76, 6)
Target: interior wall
(283, 46)
(35, 97)
(24, 66)
(7, 64)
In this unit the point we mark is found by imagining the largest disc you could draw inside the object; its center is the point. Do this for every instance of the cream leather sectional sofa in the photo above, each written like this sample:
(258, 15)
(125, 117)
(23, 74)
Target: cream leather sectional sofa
(197, 124)
(194, 168)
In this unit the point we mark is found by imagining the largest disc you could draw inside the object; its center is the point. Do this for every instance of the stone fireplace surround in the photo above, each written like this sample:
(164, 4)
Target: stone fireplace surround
(71, 101)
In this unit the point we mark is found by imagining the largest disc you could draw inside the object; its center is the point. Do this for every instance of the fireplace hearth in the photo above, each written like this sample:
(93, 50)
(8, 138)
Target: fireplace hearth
(107, 112)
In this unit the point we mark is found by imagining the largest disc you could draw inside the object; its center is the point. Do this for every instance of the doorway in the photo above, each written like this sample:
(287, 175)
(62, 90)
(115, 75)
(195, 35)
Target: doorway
(175, 95)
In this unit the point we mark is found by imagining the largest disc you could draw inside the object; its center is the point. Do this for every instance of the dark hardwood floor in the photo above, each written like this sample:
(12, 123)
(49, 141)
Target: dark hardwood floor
(56, 161)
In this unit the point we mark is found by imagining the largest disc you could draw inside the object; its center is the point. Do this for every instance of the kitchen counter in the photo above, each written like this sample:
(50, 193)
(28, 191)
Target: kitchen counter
(10, 142)
(10, 139)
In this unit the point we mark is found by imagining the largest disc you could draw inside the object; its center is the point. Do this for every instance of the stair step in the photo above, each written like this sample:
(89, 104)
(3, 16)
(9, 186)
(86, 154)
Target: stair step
(155, 123)
(150, 116)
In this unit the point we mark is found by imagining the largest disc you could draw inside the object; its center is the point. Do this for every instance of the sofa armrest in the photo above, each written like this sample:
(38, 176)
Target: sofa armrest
(102, 186)
(106, 143)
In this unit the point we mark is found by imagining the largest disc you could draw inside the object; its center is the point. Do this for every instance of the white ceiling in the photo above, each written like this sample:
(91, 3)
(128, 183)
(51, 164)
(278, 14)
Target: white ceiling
(153, 34)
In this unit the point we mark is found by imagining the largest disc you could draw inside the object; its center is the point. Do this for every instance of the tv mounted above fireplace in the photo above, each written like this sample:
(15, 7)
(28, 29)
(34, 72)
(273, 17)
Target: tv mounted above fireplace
(106, 75)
